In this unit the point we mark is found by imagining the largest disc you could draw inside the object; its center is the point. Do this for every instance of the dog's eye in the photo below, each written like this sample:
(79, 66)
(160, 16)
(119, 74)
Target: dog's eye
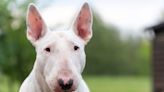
(76, 47)
(47, 49)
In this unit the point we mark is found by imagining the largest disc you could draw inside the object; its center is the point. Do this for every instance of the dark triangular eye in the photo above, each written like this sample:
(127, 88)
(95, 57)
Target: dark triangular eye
(76, 47)
(47, 49)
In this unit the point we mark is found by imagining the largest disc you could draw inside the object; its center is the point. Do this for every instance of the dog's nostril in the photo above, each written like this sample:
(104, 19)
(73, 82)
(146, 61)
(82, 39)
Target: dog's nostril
(67, 85)
(70, 82)
(61, 82)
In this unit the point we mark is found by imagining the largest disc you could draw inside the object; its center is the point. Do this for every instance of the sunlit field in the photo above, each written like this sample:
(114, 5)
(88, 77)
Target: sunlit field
(100, 84)
(7, 85)
(119, 84)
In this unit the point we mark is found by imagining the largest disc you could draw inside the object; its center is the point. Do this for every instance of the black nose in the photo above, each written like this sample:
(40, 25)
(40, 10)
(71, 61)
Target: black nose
(67, 85)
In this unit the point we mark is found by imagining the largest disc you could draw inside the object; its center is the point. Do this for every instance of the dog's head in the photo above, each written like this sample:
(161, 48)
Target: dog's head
(60, 53)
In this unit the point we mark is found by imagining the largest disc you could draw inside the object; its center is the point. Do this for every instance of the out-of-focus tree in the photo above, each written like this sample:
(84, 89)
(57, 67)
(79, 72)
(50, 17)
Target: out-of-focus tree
(108, 54)
(16, 54)
(103, 48)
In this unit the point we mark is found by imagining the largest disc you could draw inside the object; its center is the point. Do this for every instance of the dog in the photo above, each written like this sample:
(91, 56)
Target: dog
(60, 55)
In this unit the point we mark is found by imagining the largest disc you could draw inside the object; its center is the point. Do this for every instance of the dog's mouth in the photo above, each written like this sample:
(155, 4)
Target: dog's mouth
(68, 91)
(61, 90)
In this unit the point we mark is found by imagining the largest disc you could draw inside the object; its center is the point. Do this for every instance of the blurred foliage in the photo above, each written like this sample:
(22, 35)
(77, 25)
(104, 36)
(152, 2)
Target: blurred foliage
(16, 54)
(107, 53)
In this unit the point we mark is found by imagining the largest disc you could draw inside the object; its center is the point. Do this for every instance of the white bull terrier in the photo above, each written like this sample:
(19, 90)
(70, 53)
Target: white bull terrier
(60, 57)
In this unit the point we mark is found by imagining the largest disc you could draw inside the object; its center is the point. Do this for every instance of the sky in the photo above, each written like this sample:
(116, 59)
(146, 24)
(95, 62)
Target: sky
(130, 16)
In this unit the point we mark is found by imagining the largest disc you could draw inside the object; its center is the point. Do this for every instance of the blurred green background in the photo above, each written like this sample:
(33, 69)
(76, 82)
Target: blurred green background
(114, 64)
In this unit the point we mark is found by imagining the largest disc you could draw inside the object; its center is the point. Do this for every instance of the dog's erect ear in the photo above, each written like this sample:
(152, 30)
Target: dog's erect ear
(36, 27)
(83, 23)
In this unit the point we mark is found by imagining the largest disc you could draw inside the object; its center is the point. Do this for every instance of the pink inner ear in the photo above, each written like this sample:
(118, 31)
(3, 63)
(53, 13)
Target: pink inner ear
(83, 30)
(35, 24)
(84, 23)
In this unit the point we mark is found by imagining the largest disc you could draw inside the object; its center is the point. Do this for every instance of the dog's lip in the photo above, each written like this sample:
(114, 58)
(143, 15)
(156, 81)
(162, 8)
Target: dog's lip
(64, 90)
(59, 90)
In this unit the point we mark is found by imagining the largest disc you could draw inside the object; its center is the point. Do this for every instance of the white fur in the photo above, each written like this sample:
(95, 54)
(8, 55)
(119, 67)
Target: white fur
(48, 66)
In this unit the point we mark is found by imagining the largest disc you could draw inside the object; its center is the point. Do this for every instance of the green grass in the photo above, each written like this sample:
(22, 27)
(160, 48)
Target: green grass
(8, 86)
(119, 84)
(101, 84)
